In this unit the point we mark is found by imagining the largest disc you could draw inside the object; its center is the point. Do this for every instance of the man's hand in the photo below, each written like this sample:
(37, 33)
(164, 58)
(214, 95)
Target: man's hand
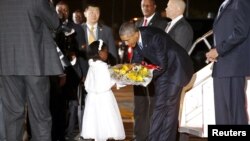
(212, 55)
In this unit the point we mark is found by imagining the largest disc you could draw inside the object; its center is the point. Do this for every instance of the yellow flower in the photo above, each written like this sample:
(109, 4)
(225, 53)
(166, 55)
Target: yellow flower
(131, 74)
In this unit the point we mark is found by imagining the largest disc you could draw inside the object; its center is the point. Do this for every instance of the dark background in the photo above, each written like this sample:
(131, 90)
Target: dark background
(114, 12)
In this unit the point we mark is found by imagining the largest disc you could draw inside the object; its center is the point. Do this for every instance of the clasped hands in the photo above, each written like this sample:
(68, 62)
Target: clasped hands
(212, 55)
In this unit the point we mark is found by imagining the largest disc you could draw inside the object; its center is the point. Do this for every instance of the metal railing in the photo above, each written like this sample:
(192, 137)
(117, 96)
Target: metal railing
(200, 39)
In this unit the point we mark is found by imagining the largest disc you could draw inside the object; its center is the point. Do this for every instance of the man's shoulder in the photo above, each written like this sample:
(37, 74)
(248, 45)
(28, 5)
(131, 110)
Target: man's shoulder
(159, 18)
(104, 26)
(184, 24)
(138, 23)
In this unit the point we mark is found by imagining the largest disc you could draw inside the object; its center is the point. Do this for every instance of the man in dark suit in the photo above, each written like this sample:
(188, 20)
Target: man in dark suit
(73, 38)
(144, 96)
(94, 30)
(150, 16)
(77, 16)
(27, 57)
(179, 29)
(64, 41)
(231, 55)
(174, 72)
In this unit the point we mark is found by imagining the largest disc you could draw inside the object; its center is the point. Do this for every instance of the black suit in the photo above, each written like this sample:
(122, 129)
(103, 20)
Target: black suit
(58, 96)
(144, 97)
(231, 31)
(76, 40)
(156, 21)
(27, 56)
(176, 71)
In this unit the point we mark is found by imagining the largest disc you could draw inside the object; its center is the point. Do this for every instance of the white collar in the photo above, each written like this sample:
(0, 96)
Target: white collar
(174, 21)
(89, 26)
(140, 39)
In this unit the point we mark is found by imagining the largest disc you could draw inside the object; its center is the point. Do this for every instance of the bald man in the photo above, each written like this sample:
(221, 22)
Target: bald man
(179, 29)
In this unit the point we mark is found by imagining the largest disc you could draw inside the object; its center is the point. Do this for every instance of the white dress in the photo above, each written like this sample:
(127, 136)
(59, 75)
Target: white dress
(102, 119)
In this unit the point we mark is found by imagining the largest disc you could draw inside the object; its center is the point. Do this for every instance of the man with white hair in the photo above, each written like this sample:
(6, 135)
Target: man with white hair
(179, 29)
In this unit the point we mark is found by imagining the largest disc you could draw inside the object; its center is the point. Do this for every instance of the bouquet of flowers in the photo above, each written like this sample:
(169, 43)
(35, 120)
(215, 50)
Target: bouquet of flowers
(131, 74)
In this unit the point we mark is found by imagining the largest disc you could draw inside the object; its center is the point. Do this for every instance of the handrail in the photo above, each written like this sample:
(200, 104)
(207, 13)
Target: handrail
(202, 38)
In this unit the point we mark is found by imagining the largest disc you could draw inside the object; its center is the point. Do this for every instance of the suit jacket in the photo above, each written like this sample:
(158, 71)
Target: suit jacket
(75, 41)
(182, 33)
(75, 73)
(156, 21)
(158, 47)
(105, 33)
(232, 40)
(26, 43)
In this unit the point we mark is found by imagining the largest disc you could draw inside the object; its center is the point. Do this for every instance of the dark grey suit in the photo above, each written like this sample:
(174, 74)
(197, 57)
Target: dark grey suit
(27, 56)
(2, 124)
(105, 33)
(144, 97)
(182, 33)
(176, 71)
(232, 42)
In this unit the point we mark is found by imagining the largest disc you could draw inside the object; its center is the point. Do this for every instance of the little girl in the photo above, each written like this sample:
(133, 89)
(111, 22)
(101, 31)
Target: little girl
(102, 119)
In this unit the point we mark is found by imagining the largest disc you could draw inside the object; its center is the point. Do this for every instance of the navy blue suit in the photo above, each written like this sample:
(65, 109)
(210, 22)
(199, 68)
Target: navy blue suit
(176, 71)
(144, 96)
(232, 42)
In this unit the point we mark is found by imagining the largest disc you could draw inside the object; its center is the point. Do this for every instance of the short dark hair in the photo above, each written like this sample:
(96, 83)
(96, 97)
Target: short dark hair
(127, 28)
(93, 4)
(78, 10)
(93, 49)
(153, 1)
(62, 2)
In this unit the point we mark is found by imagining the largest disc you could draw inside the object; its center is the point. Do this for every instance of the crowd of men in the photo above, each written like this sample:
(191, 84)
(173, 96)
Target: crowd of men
(43, 66)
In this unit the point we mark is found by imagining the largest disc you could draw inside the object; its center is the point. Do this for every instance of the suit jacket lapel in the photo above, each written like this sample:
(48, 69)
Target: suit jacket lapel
(222, 10)
(144, 39)
(151, 22)
(141, 22)
(85, 28)
(99, 31)
(174, 26)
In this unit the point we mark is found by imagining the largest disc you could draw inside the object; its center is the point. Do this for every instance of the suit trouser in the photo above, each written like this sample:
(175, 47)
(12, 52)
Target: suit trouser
(73, 106)
(58, 107)
(164, 121)
(143, 110)
(33, 90)
(2, 125)
(230, 100)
